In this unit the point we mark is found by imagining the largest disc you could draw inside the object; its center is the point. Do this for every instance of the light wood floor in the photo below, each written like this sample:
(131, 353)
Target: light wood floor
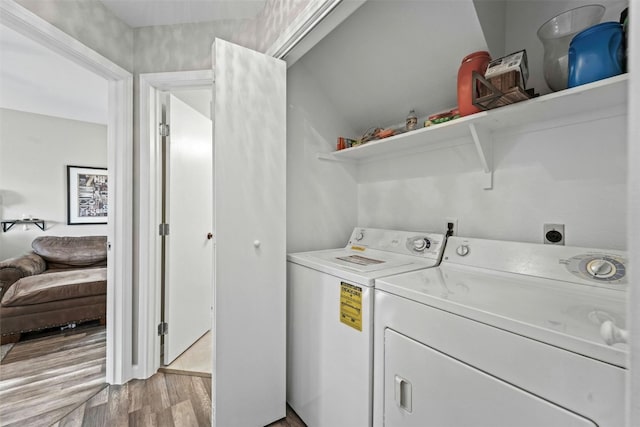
(59, 381)
(162, 400)
(43, 379)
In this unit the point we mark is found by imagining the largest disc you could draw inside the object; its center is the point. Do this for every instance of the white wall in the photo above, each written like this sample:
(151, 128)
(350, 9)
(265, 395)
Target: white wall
(321, 196)
(633, 386)
(34, 153)
(90, 22)
(564, 175)
(574, 175)
(491, 14)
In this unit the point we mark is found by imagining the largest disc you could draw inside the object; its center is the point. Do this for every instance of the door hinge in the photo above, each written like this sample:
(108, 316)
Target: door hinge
(163, 328)
(164, 129)
(163, 229)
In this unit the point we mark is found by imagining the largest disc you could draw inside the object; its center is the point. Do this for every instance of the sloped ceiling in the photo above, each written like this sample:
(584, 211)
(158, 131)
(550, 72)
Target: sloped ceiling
(393, 56)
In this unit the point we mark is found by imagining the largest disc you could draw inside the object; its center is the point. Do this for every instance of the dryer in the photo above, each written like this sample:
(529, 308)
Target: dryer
(330, 321)
(503, 334)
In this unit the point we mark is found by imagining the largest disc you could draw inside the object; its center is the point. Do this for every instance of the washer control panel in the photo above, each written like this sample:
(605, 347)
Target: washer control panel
(424, 245)
(599, 267)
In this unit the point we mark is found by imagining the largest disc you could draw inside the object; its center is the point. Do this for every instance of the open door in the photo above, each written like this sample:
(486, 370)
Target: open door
(250, 237)
(187, 244)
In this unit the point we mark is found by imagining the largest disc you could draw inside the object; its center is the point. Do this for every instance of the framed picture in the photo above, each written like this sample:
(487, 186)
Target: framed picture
(87, 195)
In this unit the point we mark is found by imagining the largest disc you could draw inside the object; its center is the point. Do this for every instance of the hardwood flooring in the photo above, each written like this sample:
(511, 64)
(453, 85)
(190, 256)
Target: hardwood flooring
(43, 379)
(164, 400)
(58, 381)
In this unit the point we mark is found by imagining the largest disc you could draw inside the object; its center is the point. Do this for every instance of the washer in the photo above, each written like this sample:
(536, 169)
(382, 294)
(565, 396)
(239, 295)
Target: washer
(330, 321)
(503, 334)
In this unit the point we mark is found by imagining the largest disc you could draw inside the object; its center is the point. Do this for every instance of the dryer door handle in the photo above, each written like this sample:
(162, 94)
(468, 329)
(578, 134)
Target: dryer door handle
(403, 393)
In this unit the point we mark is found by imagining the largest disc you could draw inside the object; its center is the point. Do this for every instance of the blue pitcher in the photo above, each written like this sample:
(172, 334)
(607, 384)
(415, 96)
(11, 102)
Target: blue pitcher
(596, 53)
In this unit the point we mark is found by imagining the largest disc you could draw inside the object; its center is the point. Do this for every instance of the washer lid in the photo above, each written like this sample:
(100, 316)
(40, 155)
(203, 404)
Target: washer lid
(362, 266)
(362, 261)
(563, 314)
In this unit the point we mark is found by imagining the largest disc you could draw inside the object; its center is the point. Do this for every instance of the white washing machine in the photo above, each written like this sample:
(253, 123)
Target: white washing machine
(503, 334)
(330, 321)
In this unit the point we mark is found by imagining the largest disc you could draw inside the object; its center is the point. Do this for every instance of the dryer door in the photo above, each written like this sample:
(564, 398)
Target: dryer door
(426, 388)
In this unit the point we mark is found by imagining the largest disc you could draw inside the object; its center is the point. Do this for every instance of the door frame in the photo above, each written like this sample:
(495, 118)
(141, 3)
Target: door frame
(149, 256)
(120, 163)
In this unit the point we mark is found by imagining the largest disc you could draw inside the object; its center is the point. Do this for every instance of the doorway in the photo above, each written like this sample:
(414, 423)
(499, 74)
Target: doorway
(120, 160)
(184, 135)
(152, 88)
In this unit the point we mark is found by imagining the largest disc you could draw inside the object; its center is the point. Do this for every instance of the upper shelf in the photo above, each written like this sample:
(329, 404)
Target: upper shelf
(587, 98)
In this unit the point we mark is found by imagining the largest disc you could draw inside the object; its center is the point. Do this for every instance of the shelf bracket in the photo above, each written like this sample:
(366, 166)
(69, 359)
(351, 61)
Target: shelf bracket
(9, 223)
(483, 141)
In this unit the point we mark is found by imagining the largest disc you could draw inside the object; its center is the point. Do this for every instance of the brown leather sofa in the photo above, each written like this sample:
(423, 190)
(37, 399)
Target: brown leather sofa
(63, 281)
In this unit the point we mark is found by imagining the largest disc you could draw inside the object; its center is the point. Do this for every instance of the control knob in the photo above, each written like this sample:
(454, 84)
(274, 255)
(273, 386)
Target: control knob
(462, 250)
(359, 235)
(419, 245)
(600, 268)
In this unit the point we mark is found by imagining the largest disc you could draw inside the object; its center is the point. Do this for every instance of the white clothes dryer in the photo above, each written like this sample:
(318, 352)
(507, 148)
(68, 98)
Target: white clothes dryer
(330, 321)
(503, 334)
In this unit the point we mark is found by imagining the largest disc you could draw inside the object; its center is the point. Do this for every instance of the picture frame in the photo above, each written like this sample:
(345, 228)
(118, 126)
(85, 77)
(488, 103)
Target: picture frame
(87, 195)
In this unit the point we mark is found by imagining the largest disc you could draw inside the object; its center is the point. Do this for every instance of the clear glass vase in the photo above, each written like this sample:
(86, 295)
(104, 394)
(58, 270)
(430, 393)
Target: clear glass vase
(556, 35)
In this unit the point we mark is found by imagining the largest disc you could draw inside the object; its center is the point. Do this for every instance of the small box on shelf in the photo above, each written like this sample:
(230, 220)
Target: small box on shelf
(345, 143)
(515, 65)
(490, 96)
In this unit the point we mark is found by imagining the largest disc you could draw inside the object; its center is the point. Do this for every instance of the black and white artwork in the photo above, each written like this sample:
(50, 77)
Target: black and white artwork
(87, 195)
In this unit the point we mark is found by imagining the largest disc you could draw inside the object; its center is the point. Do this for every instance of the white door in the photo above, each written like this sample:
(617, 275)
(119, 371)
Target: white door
(426, 388)
(250, 236)
(188, 246)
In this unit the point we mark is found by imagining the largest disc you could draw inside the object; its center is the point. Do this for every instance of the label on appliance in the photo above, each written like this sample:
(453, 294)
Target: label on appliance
(358, 248)
(351, 305)
(360, 260)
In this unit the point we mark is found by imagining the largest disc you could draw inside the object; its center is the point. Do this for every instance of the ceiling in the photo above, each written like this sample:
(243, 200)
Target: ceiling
(390, 57)
(144, 13)
(30, 75)
(30, 81)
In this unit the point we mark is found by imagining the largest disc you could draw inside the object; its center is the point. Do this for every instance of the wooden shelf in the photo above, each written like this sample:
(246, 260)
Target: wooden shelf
(8, 223)
(568, 106)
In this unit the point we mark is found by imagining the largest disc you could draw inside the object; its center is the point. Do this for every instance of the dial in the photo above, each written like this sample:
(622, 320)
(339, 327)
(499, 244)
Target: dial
(605, 268)
(462, 250)
(421, 244)
(360, 235)
(600, 268)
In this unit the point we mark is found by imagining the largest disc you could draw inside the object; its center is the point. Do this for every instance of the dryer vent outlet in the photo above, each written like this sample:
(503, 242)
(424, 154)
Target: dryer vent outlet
(553, 234)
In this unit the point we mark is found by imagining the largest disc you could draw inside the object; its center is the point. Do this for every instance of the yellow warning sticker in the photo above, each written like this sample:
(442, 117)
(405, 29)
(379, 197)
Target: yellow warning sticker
(358, 248)
(351, 305)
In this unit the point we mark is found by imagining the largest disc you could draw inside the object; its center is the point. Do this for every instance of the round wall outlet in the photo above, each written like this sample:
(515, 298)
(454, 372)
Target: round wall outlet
(553, 234)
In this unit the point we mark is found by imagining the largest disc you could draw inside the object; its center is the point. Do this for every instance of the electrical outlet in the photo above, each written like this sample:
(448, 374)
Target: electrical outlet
(553, 234)
(449, 223)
